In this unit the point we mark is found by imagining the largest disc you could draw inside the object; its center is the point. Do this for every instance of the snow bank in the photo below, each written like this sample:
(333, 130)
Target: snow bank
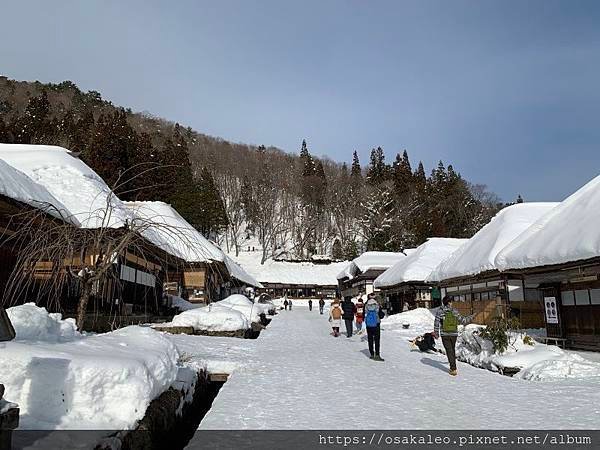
(100, 382)
(479, 253)
(419, 320)
(372, 261)
(537, 362)
(183, 305)
(18, 186)
(567, 233)
(82, 192)
(241, 303)
(215, 354)
(32, 323)
(418, 265)
(212, 318)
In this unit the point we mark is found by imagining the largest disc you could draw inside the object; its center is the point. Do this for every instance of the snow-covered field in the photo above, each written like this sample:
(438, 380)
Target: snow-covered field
(300, 377)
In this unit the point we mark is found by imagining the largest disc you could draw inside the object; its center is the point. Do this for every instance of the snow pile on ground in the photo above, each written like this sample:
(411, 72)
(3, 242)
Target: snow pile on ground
(102, 382)
(183, 305)
(211, 318)
(244, 305)
(215, 354)
(418, 265)
(537, 362)
(32, 323)
(420, 321)
(567, 233)
(478, 254)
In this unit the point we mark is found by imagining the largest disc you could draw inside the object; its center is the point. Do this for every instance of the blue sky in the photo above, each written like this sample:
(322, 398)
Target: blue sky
(507, 91)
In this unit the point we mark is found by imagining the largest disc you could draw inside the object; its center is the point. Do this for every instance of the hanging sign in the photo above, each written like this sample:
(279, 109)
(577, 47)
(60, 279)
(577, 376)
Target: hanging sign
(551, 309)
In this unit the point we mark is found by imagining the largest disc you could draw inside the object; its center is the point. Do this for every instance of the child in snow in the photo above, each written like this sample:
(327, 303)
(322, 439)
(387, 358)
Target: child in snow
(321, 305)
(290, 303)
(424, 343)
(335, 317)
(446, 325)
(373, 317)
(360, 314)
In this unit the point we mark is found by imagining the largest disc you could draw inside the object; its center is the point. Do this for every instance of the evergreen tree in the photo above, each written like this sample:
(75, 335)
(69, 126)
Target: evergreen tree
(355, 171)
(34, 126)
(351, 250)
(112, 148)
(202, 206)
(4, 133)
(378, 170)
(337, 252)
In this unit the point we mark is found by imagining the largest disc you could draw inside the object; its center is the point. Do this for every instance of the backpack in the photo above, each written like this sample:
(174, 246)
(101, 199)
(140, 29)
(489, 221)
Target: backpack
(372, 318)
(336, 312)
(450, 323)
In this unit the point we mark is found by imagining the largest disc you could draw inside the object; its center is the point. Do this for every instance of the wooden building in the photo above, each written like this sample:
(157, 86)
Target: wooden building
(558, 258)
(471, 277)
(358, 276)
(404, 286)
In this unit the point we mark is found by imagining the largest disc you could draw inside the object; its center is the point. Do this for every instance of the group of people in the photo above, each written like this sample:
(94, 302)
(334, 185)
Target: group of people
(368, 313)
(287, 304)
(445, 325)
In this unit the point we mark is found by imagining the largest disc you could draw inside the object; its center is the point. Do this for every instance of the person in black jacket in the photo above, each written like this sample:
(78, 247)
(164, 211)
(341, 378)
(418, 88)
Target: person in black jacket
(349, 310)
(321, 305)
(310, 304)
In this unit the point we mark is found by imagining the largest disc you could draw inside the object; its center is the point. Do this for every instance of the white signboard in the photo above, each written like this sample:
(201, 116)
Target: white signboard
(551, 309)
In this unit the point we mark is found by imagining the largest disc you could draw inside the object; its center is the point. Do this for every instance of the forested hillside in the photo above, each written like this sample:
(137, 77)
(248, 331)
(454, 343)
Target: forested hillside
(296, 206)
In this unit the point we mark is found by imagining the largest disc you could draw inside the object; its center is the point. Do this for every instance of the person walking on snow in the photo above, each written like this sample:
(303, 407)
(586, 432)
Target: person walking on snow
(335, 317)
(310, 304)
(349, 310)
(446, 326)
(373, 316)
(321, 305)
(290, 303)
(360, 314)
(285, 304)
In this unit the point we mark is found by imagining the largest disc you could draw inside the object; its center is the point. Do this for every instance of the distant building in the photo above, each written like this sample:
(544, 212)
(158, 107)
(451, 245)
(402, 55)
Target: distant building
(404, 283)
(358, 275)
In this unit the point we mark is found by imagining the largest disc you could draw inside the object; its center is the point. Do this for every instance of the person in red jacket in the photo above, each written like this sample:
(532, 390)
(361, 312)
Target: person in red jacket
(360, 314)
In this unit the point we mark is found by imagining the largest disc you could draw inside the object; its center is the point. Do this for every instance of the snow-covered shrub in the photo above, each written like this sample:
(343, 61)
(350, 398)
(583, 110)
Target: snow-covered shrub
(498, 333)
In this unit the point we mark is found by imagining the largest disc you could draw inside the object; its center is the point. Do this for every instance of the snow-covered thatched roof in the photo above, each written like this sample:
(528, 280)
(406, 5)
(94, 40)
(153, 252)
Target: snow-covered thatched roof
(372, 261)
(18, 186)
(174, 234)
(418, 265)
(569, 232)
(78, 188)
(479, 253)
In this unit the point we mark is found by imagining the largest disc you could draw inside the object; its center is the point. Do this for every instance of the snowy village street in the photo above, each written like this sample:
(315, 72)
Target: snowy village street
(300, 377)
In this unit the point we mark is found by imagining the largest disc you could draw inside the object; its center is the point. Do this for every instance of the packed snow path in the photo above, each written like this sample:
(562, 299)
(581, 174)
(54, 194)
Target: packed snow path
(301, 377)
